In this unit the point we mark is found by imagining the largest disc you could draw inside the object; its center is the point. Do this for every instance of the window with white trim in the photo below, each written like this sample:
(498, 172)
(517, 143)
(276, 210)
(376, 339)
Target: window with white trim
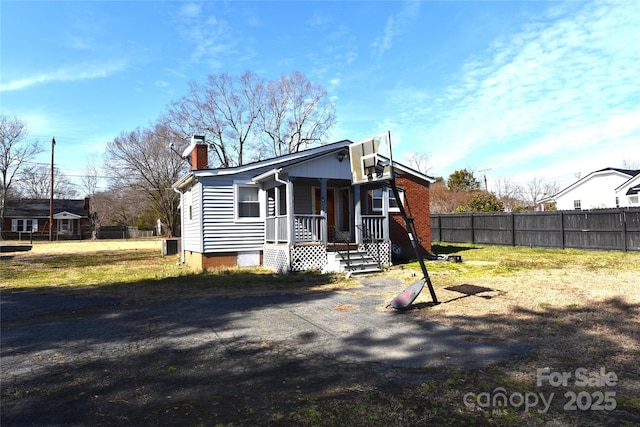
(248, 201)
(24, 225)
(376, 200)
(577, 205)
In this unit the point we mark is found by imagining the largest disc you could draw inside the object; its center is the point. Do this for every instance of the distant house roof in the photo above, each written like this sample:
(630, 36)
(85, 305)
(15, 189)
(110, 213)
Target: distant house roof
(628, 172)
(632, 186)
(39, 208)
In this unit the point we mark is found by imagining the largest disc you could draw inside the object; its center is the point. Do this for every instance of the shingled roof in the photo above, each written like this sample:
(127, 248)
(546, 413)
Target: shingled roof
(39, 208)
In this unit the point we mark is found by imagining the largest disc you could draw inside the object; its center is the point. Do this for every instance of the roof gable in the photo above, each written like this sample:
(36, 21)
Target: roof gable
(263, 165)
(269, 167)
(66, 215)
(630, 187)
(602, 172)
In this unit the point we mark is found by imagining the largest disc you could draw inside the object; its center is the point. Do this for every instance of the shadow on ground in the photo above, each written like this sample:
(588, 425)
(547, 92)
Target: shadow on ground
(77, 360)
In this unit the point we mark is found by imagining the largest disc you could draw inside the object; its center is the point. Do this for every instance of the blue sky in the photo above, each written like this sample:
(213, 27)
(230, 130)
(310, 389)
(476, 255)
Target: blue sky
(522, 89)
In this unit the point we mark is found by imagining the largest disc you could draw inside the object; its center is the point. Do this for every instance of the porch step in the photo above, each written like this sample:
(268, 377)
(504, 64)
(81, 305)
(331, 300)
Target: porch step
(359, 262)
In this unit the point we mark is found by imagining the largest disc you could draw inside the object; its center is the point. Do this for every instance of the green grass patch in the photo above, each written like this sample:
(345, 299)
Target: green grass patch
(145, 273)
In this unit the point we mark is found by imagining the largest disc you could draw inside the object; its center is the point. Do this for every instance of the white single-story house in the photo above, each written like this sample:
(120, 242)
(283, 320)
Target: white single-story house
(603, 189)
(297, 212)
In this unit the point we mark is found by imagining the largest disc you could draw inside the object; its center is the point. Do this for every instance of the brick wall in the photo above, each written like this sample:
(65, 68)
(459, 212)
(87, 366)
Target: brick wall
(417, 202)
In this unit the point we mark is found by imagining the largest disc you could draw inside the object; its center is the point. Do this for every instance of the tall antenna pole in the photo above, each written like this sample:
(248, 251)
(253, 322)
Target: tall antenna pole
(53, 144)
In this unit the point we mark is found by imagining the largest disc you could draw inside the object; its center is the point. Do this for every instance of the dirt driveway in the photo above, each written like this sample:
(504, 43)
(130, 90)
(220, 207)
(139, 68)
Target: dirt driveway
(101, 361)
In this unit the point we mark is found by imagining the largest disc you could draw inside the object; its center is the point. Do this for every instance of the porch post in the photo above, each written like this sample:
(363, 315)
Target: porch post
(277, 195)
(358, 213)
(324, 224)
(385, 212)
(291, 220)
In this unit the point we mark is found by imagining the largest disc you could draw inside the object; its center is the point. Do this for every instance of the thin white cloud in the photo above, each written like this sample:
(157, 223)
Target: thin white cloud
(212, 39)
(394, 26)
(66, 74)
(555, 87)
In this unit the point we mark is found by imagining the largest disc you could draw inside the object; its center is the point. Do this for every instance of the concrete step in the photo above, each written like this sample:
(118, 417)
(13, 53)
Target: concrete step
(360, 263)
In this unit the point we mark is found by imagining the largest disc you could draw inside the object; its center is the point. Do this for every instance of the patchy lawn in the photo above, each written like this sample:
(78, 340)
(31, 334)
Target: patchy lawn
(580, 312)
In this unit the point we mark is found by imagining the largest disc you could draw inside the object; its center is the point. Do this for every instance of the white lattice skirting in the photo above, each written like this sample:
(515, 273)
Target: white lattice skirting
(308, 257)
(276, 257)
(382, 249)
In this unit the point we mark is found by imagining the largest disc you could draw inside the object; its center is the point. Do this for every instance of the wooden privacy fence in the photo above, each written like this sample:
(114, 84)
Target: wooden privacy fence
(610, 229)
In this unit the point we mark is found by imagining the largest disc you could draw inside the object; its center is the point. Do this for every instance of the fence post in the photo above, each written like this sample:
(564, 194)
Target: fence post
(473, 231)
(562, 243)
(624, 231)
(513, 229)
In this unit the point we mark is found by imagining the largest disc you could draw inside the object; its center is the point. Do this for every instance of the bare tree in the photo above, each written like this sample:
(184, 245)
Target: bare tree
(631, 164)
(418, 161)
(538, 188)
(90, 179)
(226, 109)
(296, 114)
(118, 206)
(246, 119)
(142, 161)
(15, 152)
(90, 176)
(510, 194)
(36, 184)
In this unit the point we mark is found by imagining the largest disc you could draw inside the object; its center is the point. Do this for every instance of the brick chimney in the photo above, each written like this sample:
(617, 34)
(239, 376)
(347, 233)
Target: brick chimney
(199, 157)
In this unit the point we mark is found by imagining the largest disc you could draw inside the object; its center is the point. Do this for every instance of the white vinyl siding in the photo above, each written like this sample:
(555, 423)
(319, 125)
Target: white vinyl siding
(191, 211)
(221, 230)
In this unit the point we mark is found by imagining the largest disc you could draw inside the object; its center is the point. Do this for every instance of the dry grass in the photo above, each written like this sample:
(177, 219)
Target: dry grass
(137, 271)
(576, 309)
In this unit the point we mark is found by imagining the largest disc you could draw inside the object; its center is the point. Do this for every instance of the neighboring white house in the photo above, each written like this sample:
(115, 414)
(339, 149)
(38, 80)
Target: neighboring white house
(602, 189)
(627, 194)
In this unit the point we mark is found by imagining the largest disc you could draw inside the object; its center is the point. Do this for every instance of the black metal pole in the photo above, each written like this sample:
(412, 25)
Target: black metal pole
(411, 232)
(409, 224)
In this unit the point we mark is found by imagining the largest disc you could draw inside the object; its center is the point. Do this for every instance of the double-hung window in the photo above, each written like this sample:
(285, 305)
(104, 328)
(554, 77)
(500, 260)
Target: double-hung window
(24, 225)
(376, 200)
(248, 201)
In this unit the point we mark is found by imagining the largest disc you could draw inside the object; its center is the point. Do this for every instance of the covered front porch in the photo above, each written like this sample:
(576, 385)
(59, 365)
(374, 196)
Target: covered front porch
(324, 224)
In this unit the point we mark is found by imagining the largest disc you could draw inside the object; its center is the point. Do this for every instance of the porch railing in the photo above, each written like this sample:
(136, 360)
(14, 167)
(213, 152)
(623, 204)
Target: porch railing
(276, 229)
(374, 226)
(309, 228)
(372, 234)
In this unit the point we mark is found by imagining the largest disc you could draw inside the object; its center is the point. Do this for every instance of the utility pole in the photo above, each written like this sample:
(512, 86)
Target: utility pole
(484, 174)
(53, 144)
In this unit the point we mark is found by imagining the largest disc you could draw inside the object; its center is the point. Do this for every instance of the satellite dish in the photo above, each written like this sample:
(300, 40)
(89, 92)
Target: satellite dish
(195, 139)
